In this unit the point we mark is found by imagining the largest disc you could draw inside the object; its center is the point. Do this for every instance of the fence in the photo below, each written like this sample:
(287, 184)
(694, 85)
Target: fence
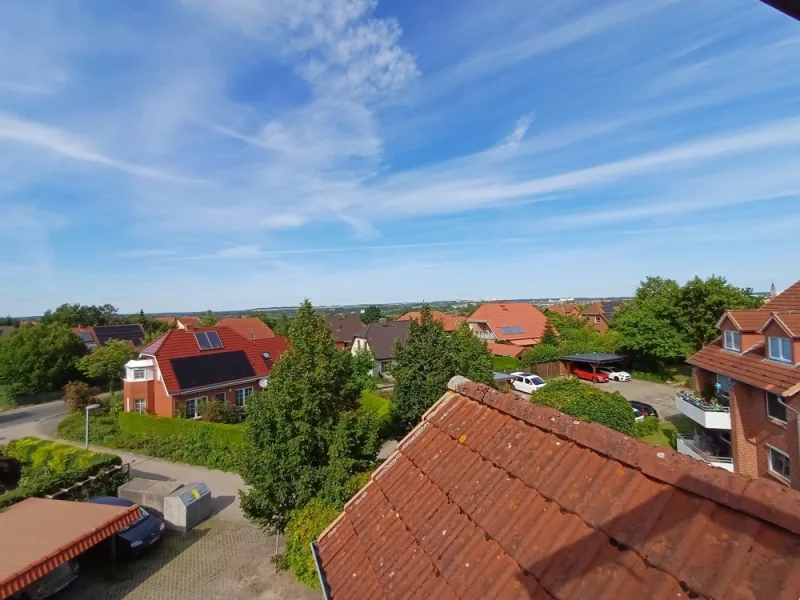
(551, 369)
(95, 484)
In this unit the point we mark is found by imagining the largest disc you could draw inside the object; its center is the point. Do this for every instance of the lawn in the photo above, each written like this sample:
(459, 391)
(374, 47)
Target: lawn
(666, 435)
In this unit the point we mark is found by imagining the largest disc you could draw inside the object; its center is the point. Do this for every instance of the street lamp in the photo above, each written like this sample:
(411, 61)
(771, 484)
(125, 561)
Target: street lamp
(88, 408)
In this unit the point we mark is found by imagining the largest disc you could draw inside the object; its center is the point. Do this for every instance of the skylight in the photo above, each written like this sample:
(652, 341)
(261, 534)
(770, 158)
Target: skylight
(510, 329)
(208, 340)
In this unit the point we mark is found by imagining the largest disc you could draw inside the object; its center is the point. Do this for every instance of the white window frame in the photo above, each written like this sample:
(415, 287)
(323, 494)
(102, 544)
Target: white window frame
(245, 394)
(136, 406)
(732, 340)
(783, 344)
(196, 401)
(781, 476)
(780, 401)
(137, 371)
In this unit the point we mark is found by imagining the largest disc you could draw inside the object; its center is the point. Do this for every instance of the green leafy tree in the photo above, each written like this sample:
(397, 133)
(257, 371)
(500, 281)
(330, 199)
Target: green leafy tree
(423, 365)
(215, 411)
(79, 394)
(79, 315)
(152, 327)
(371, 314)
(107, 363)
(472, 358)
(549, 335)
(208, 319)
(363, 363)
(564, 323)
(291, 426)
(39, 358)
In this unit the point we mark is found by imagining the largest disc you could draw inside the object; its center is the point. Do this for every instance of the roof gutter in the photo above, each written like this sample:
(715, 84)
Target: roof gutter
(320, 574)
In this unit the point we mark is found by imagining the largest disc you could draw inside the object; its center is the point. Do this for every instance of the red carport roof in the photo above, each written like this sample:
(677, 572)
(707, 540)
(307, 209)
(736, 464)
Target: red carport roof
(38, 535)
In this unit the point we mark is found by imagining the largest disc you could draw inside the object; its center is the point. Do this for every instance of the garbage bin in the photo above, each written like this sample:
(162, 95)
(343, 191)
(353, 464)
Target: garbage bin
(149, 493)
(187, 506)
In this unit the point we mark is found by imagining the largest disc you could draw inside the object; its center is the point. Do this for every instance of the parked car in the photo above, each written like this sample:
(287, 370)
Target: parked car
(615, 374)
(138, 537)
(637, 414)
(598, 377)
(50, 583)
(527, 383)
(645, 409)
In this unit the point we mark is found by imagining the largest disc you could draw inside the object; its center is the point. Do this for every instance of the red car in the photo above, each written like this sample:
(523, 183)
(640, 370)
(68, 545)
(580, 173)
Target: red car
(588, 376)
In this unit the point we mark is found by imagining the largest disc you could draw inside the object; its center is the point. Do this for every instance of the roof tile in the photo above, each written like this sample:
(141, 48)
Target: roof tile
(507, 314)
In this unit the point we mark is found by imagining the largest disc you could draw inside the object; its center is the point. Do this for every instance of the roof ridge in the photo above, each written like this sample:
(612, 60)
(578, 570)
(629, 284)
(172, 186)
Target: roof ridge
(760, 498)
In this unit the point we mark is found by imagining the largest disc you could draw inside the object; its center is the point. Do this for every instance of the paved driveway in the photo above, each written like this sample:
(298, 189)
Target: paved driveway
(659, 395)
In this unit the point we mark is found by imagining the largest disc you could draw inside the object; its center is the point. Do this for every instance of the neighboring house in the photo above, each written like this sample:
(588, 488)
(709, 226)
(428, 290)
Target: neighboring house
(380, 338)
(491, 496)
(5, 330)
(450, 322)
(186, 366)
(167, 320)
(519, 323)
(344, 328)
(598, 314)
(568, 310)
(94, 337)
(183, 322)
(251, 328)
(504, 349)
(752, 372)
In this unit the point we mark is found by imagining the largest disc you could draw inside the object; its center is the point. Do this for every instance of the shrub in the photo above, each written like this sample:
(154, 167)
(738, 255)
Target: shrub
(103, 428)
(377, 404)
(7, 399)
(506, 363)
(541, 353)
(304, 526)
(214, 411)
(583, 401)
(79, 394)
(57, 457)
(646, 426)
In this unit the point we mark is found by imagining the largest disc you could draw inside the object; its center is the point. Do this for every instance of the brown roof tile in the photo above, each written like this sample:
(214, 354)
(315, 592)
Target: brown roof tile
(251, 328)
(494, 497)
(788, 299)
(748, 320)
(450, 322)
(344, 327)
(508, 314)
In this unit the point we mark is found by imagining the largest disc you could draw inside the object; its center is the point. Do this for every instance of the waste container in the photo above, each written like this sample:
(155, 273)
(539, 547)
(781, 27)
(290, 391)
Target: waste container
(149, 493)
(187, 506)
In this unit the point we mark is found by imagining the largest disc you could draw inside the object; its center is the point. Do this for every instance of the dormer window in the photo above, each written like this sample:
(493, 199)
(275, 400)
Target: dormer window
(732, 341)
(779, 349)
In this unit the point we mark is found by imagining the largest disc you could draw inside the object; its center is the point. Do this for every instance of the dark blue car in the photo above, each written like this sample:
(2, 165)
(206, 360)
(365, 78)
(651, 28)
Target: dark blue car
(138, 537)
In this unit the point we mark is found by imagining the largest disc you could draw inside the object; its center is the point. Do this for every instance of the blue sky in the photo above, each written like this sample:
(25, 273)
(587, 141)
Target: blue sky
(178, 155)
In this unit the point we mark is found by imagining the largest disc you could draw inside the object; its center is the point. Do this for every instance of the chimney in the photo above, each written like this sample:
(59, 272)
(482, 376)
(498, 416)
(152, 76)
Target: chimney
(190, 326)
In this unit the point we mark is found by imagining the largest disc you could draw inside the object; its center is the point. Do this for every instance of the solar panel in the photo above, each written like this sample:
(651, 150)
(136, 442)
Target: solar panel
(511, 329)
(210, 369)
(202, 340)
(85, 336)
(213, 339)
(132, 333)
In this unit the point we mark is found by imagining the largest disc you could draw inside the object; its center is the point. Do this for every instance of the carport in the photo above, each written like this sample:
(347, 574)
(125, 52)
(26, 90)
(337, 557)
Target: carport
(593, 359)
(39, 534)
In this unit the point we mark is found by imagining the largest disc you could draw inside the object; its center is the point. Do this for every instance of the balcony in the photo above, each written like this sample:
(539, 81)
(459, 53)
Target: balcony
(710, 416)
(484, 335)
(688, 445)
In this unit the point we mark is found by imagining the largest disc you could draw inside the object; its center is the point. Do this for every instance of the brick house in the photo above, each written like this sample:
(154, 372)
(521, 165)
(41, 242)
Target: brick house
(751, 378)
(186, 366)
(515, 323)
(343, 329)
(380, 338)
(251, 328)
(95, 336)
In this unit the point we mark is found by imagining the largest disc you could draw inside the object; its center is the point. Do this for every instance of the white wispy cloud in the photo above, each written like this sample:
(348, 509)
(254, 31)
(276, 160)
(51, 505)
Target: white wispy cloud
(146, 253)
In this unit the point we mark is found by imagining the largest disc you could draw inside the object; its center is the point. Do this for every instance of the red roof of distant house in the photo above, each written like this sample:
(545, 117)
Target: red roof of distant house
(492, 496)
(180, 343)
(565, 309)
(251, 328)
(450, 322)
(504, 349)
(515, 315)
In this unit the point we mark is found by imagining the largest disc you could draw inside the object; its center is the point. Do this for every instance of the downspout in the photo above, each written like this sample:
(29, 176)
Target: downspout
(321, 576)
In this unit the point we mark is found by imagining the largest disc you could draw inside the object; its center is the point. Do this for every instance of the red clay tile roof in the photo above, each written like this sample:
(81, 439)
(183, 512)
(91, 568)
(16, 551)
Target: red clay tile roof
(747, 320)
(494, 497)
(39, 535)
(505, 314)
(504, 349)
(565, 309)
(788, 299)
(164, 319)
(251, 328)
(750, 367)
(450, 322)
(179, 343)
(789, 321)
(188, 320)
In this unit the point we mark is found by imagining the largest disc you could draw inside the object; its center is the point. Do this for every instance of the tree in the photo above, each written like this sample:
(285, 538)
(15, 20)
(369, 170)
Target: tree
(472, 358)
(39, 358)
(79, 394)
(363, 364)
(549, 335)
(10, 473)
(423, 365)
(153, 328)
(208, 319)
(291, 426)
(79, 315)
(371, 314)
(215, 411)
(107, 362)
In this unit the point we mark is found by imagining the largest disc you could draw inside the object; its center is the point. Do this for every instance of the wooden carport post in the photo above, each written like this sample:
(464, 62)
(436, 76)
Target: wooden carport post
(594, 373)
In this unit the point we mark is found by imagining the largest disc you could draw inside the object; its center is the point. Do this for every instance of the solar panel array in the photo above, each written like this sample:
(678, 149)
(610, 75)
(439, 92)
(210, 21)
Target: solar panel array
(210, 369)
(119, 332)
(208, 340)
(511, 329)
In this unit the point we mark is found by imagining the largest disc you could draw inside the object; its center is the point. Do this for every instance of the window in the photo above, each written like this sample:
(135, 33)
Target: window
(220, 397)
(733, 341)
(140, 405)
(208, 340)
(597, 319)
(780, 349)
(775, 408)
(511, 329)
(779, 463)
(191, 406)
(241, 396)
(139, 373)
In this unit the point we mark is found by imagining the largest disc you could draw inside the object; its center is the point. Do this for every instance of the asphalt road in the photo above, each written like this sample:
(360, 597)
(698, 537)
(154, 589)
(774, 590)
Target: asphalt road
(31, 420)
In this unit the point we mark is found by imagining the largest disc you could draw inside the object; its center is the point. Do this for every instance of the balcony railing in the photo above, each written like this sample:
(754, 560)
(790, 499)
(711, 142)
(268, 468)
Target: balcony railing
(688, 446)
(710, 416)
(484, 335)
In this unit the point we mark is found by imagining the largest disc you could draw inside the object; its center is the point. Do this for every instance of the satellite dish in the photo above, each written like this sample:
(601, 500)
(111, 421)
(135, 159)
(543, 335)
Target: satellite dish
(263, 383)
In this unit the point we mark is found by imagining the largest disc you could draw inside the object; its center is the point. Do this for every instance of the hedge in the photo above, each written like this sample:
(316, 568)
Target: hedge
(50, 466)
(304, 527)
(587, 402)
